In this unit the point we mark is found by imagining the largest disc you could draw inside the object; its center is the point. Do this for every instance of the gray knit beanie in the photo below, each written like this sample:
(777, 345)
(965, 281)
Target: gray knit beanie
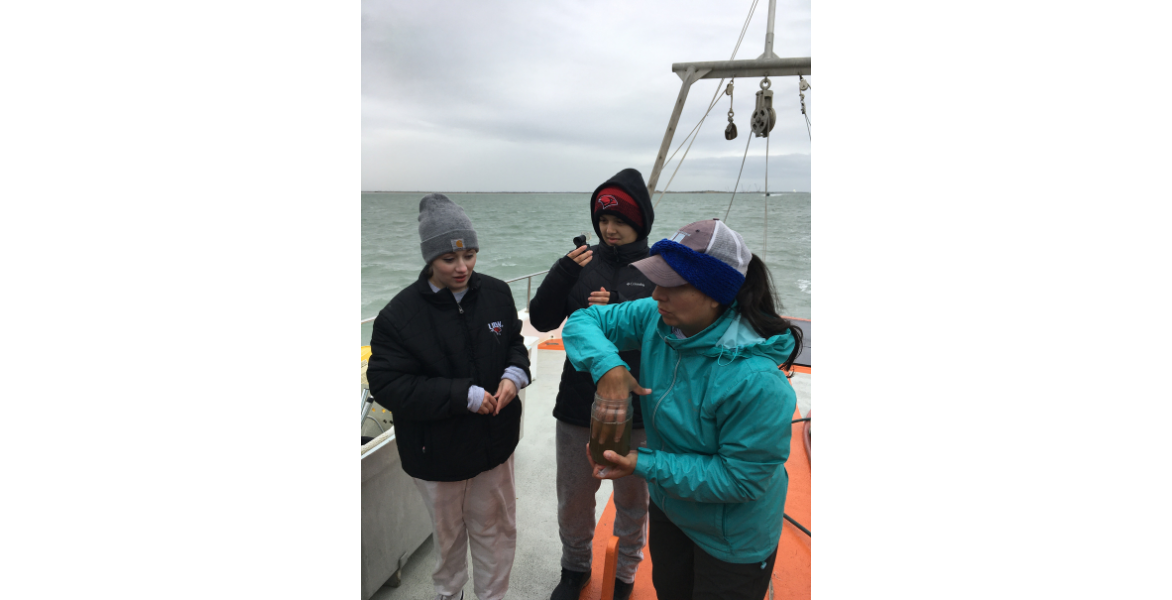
(443, 227)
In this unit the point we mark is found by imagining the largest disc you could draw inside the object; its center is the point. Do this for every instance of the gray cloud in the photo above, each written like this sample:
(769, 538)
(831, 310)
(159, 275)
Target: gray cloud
(554, 95)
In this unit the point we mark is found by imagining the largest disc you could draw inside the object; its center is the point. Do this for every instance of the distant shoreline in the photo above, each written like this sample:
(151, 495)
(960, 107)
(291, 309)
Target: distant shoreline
(684, 192)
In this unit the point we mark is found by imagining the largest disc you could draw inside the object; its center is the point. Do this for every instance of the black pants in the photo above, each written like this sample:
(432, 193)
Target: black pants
(683, 571)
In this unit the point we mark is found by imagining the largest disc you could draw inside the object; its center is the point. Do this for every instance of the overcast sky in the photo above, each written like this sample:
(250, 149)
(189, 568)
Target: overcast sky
(557, 95)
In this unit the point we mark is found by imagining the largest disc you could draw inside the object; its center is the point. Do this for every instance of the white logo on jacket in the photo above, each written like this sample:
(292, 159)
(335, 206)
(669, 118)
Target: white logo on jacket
(496, 327)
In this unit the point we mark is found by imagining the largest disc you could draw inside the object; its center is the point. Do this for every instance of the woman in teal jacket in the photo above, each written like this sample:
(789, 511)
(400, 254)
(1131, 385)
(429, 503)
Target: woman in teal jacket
(717, 409)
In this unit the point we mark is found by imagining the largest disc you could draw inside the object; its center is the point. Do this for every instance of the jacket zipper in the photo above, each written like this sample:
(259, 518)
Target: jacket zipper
(679, 357)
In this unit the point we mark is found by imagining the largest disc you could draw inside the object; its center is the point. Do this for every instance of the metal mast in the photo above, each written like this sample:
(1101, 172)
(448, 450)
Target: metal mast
(766, 65)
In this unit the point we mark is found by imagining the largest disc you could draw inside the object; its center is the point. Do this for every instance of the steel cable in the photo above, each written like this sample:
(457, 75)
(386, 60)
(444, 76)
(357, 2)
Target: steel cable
(695, 130)
(738, 183)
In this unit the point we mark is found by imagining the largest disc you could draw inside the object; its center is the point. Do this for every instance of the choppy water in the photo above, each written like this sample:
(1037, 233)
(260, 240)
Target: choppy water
(521, 234)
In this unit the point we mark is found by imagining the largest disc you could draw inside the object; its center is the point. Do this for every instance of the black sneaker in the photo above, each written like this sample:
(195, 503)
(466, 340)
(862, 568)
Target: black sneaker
(622, 591)
(570, 587)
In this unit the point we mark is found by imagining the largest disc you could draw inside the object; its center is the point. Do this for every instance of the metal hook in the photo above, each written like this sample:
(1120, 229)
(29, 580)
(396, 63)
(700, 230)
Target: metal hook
(730, 132)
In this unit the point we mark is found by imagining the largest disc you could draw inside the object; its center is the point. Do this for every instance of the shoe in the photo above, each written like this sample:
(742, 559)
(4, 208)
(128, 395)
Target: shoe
(570, 587)
(459, 596)
(622, 590)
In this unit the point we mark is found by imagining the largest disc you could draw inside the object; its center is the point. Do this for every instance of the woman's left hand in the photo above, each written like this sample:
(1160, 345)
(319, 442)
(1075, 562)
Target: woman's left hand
(624, 465)
(599, 298)
(505, 393)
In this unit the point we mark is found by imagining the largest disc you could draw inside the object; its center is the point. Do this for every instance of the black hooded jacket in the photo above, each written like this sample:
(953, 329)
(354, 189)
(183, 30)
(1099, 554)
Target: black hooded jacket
(567, 288)
(426, 351)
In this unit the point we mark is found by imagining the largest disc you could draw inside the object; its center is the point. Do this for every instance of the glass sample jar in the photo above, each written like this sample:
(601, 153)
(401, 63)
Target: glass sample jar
(610, 428)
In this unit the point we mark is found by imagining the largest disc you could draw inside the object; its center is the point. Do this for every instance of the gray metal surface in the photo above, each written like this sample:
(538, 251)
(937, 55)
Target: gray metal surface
(772, 67)
(394, 520)
(769, 31)
(690, 76)
(807, 352)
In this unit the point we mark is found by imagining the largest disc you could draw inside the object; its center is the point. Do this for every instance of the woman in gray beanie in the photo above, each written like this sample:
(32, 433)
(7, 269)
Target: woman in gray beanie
(447, 359)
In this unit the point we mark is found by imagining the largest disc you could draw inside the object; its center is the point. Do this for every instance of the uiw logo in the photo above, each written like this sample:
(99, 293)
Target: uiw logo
(606, 201)
(495, 327)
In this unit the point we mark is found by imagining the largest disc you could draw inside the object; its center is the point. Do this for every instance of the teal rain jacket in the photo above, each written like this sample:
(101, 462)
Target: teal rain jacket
(718, 420)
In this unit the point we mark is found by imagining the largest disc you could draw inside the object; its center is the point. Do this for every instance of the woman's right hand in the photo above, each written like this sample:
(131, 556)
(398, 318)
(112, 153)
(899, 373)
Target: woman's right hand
(581, 255)
(615, 384)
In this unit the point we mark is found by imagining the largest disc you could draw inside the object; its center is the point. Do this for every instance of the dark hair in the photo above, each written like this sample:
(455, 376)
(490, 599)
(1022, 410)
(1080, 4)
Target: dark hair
(757, 303)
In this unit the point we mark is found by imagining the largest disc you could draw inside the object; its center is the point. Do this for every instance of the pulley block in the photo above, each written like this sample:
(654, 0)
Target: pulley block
(764, 117)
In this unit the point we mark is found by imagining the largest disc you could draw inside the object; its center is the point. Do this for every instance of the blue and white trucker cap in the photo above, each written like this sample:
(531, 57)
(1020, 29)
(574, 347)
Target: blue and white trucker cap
(707, 254)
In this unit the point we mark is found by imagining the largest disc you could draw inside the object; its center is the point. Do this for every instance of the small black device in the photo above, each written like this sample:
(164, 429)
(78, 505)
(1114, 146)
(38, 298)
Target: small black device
(580, 241)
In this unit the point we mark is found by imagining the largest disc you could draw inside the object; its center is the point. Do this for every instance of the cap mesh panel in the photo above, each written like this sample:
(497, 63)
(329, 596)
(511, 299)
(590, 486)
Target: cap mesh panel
(728, 246)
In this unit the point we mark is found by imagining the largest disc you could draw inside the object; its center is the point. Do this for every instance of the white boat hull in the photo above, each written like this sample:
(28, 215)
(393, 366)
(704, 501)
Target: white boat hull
(394, 520)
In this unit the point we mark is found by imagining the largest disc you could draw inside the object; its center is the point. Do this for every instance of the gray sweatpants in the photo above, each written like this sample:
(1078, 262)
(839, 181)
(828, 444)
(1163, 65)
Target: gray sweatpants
(576, 488)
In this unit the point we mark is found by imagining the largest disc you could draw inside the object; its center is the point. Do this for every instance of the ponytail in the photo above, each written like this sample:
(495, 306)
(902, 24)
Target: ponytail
(756, 302)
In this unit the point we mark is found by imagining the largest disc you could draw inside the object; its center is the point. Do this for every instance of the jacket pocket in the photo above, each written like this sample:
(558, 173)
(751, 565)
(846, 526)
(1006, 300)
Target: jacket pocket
(752, 527)
(699, 519)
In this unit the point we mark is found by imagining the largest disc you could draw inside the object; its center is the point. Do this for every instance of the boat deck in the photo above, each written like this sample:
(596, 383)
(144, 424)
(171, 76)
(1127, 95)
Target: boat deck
(537, 566)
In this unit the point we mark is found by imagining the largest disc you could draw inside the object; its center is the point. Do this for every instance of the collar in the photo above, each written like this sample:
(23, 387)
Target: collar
(705, 340)
(423, 286)
(729, 338)
(623, 255)
(458, 295)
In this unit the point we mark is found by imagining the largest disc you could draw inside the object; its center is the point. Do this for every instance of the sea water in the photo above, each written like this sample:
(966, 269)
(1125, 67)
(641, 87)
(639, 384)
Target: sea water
(524, 233)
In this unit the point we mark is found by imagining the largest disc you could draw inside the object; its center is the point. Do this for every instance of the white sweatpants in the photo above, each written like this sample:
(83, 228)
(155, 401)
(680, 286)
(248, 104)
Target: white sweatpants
(483, 511)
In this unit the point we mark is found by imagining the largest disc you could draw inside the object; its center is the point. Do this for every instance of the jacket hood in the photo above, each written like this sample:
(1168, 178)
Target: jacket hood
(730, 338)
(631, 182)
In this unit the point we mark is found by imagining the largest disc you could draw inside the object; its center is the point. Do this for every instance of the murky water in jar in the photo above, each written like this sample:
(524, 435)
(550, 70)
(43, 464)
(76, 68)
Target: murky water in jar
(622, 447)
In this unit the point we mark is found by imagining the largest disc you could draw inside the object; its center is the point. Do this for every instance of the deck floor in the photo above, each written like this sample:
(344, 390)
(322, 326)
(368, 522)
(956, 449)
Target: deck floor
(537, 566)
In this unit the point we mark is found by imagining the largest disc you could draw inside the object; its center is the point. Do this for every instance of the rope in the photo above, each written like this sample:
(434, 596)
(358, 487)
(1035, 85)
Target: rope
(738, 183)
(765, 240)
(696, 129)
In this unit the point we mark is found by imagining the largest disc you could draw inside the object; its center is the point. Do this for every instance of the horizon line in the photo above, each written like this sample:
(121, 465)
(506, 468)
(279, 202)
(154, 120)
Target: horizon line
(573, 192)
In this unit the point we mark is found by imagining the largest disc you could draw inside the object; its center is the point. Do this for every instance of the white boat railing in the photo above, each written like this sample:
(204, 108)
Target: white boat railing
(528, 289)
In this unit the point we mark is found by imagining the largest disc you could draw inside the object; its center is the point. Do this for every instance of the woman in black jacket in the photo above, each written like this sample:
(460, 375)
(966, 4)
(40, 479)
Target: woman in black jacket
(622, 215)
(447, 359)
